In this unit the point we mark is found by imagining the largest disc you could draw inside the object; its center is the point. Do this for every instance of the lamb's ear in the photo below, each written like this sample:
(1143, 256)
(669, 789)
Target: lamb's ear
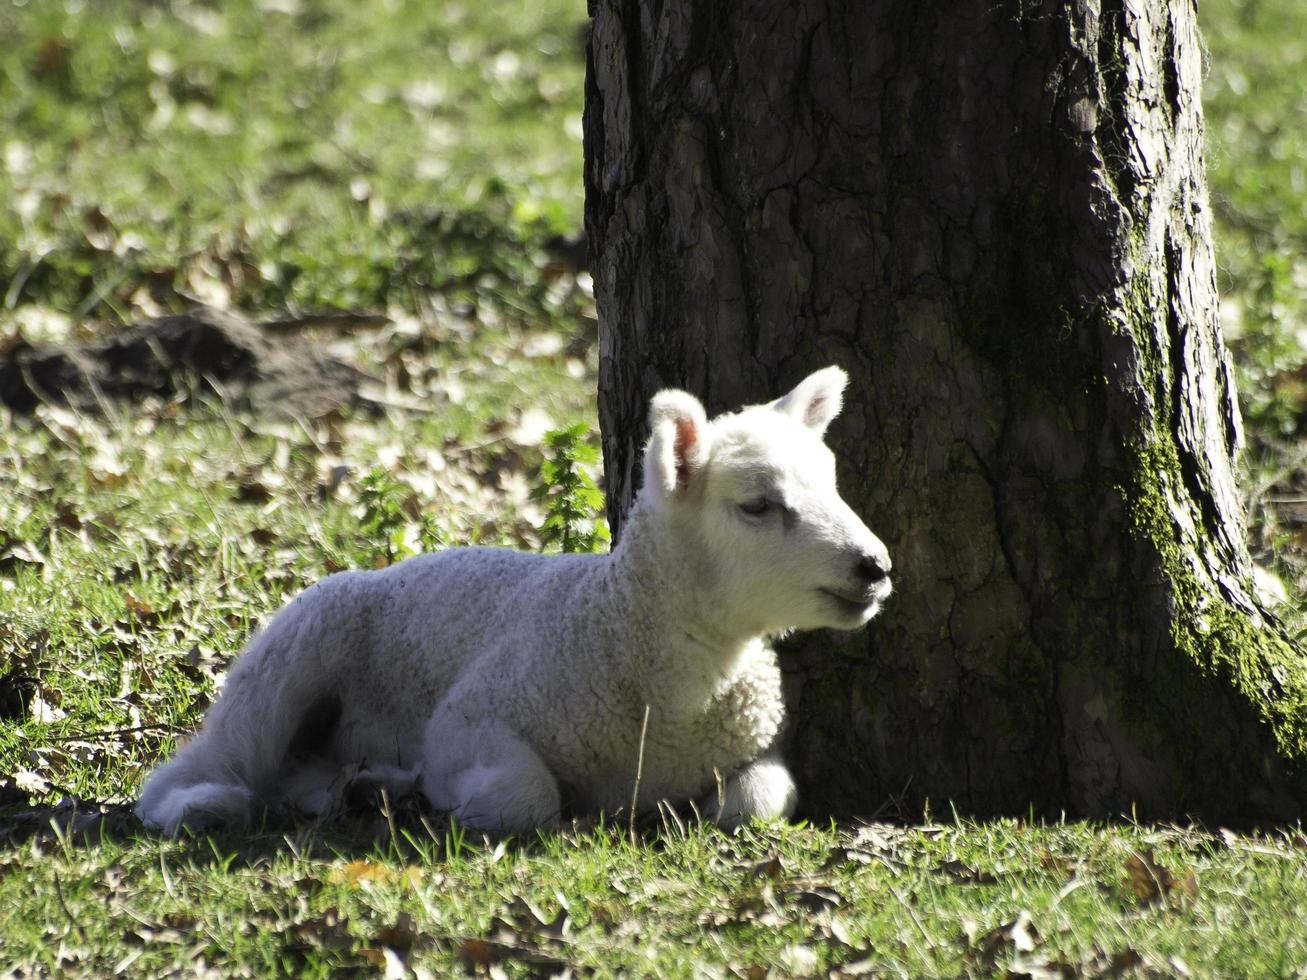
(817, 399)
(678, 446)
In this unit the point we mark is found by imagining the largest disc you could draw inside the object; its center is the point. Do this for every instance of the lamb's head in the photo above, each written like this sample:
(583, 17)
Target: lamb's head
(753, 509)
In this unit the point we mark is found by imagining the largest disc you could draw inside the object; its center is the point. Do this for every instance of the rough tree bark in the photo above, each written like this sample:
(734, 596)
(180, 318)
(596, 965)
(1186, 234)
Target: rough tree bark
(993, 214)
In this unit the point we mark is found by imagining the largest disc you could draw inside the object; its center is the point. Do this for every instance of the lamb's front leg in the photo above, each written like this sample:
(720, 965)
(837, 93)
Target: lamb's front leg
(486, 775)
(764, 789)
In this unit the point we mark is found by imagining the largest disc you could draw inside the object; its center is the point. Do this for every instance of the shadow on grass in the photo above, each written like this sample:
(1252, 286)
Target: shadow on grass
(405, 829)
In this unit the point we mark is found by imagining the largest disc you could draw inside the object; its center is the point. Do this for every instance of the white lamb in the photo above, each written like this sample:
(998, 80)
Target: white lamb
(504, 683)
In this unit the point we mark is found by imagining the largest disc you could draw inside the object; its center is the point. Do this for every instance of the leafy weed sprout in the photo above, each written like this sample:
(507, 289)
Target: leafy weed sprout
(572, 500)
(390, 509)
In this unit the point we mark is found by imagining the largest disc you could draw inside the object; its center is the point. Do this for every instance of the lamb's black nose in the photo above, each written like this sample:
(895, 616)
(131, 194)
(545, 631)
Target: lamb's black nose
(874, 566)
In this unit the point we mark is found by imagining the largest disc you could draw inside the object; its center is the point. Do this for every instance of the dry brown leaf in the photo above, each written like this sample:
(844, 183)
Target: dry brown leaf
(139, 607)
(750, 908)
(818, 898)
(771, 868)
(1119, 963)
(1057, 863)
(477, 953)
(401, 936)
(840, 856)
(99, 231)
(145, 933)
(865, 966)
(835, 927)
(1152, 882)
(485, 954)
(1018, 935)
(387, 960)
(1043, 968)
(106, 469)
(67, 518)
(878, 837)
(364, 873)
(329, 930)
(44, 707)
(526, 919)
(263, 536)
(964, 874)
(31, 782)
(12, 341)
(1178, 964)
(798, 960)
(375, 957)
(252, 491)
(21, 551)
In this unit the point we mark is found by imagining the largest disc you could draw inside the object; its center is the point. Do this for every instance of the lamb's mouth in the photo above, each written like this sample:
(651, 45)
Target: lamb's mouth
(860, 608)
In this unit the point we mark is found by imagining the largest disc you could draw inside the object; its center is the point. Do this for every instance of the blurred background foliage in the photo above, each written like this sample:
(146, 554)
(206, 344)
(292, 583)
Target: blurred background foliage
(283, 154)
(1256, 102)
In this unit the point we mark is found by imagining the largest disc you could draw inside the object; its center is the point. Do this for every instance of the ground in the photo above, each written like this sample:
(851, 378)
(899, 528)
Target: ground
(420, 163)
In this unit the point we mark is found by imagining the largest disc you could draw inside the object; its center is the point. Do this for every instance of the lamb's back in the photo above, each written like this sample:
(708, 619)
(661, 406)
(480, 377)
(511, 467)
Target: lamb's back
(391, 643)
(451, 608)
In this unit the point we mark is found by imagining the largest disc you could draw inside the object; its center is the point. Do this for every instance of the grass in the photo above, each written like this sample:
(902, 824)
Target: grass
(933, 900)
(422, 160)
(280, 154)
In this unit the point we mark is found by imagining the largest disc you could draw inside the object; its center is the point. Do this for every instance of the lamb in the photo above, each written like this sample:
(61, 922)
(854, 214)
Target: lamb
(504, 685)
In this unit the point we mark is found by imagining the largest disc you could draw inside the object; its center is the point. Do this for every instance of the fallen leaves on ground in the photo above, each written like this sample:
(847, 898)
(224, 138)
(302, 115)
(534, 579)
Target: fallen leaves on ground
(1015, 950)
(1015, 935)
(965, 874)
(174, 928)
(1152, 883)
(330, 930)
(391, 945)
(521, 934)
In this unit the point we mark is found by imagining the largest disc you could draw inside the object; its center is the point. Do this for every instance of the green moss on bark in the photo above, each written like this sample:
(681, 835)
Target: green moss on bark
(1223, 642)
(1227, 656)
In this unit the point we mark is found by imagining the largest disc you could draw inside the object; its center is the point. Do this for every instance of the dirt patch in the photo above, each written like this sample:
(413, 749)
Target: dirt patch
(265, 367)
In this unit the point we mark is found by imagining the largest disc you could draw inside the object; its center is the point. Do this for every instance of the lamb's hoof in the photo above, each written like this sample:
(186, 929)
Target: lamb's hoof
(369, 787)
(763, 790)
(199, 808)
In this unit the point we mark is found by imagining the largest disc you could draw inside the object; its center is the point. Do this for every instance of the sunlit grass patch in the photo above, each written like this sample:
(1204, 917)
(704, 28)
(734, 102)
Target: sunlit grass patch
(999, 898)
(273, 155)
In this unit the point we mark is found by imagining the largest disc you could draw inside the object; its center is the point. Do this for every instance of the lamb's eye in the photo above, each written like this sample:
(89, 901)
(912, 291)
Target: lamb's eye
(756, 508)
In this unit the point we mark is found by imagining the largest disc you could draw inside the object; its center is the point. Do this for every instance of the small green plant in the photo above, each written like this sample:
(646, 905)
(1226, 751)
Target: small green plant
(573, 501)
(383, 499)
(389, 509)
(431, 536)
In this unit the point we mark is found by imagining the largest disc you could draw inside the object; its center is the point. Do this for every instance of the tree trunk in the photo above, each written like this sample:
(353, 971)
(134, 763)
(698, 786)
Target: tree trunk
(994, 216)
